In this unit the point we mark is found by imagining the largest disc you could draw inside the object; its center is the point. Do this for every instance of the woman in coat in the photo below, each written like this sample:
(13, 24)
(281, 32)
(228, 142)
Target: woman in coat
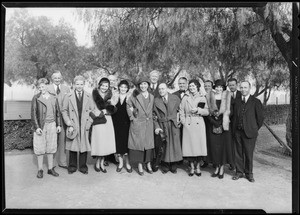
(76, 108)
(141, 137)
(103, 136)
(192, 109)
(220, 132)
(121, 123)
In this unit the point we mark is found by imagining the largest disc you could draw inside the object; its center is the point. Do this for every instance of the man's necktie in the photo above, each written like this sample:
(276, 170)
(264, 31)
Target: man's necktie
(165, 100)
(244, 100)
(79, 96)
(57, 90)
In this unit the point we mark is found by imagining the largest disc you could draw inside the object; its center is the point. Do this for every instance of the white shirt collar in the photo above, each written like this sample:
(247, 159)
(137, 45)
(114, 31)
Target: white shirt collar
(166, 96)
(246, 97)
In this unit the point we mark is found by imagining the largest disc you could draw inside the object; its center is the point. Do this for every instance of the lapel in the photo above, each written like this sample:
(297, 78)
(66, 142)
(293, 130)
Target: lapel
(40, 100)
(149, 105)
(140, 100)
(190, 100)
(161, 105)
(85, 99)
(73, 101)
(248, 103)
(171, 103)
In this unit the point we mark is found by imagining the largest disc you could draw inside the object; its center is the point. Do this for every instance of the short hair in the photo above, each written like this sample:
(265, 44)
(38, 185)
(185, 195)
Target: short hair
(184, 78)
(155, 72)
(196, 82)
(163, 83)
(123, 82)
(41, 81)
(246, 82)
(232, 79)
(55, 73)
(79, 78)
(209, 81)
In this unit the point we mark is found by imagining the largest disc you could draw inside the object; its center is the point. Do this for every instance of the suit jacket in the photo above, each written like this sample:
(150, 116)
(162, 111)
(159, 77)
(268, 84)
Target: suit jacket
(177, 93)
(253, 117)
(154, 92)
(63, 91)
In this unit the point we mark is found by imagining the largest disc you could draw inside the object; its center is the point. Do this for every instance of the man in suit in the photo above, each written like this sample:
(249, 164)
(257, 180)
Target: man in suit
(60, 90)
(247, 120)
(235, 95)
(165, 109)
(183, 85)
(154, 77)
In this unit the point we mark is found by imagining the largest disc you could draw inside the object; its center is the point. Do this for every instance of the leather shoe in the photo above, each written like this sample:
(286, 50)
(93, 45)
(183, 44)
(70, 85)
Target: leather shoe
(191, 173)
(103, 170)
(140, 173)
(221, 176)
(231, 168)
(64, 167)
(40, 174)
(52, 172)
(149, 171)
(155, 168)
(106, 163)
(215, 174)
(251, 179)
(84, 172)
(119, 169)
(237, 177)
(198, 174)
(129, 170)
(96, 168)
(174, 171)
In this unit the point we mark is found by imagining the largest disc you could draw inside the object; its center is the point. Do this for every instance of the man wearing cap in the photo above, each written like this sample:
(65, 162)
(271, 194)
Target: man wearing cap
(165, 109)
(77, 106)
(60, 90)
(154, 77)
(247, 120)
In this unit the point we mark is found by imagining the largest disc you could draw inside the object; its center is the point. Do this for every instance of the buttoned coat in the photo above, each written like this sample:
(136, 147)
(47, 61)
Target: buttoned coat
(167, 120)
(194, 133)
(70, 115)
(141, 136)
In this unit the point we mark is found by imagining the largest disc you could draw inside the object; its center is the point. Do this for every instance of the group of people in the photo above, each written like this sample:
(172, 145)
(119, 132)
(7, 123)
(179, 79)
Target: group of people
(148, 126)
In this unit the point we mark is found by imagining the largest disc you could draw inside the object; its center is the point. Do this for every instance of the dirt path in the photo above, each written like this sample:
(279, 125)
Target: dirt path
(271, 192)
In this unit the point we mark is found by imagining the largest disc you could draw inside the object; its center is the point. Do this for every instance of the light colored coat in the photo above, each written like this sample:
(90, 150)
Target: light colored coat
(70, 115)
(194, 133)
(167, 120)
(141, 136)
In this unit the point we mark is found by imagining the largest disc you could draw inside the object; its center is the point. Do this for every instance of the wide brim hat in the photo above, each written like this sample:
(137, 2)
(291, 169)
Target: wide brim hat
(71, 135)
(143, 79)
(221, 83)
(103, 79)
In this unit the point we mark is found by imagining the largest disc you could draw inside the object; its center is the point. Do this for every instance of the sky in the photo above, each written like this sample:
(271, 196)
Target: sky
(55, 14)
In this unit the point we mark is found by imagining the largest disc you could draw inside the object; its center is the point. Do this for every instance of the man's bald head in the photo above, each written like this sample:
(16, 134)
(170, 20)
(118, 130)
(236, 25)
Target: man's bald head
(245, 88)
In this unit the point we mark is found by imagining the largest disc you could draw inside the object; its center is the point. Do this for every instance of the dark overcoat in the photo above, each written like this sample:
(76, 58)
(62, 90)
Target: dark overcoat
(167, 120)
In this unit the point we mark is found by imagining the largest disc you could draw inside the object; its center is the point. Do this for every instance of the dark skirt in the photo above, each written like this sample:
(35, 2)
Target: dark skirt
(136, 156)
(221, 148)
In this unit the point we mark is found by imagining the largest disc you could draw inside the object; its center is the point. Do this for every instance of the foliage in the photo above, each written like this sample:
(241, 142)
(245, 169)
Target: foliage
(34, 47)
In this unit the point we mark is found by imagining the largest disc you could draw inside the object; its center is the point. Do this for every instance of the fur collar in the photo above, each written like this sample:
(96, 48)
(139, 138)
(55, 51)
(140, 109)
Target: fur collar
(101, 103)
(224, 107)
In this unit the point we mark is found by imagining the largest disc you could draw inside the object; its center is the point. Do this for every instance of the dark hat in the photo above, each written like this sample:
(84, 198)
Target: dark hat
(123, 82)
(221, 83)
(143, 79)
(103, 80)
(71, 135)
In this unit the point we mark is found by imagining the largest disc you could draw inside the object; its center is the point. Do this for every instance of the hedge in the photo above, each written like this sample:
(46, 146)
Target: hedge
(18, 133)
(276, 114)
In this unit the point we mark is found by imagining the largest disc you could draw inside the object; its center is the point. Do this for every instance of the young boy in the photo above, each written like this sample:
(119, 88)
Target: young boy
(76, 108)
(46, 122)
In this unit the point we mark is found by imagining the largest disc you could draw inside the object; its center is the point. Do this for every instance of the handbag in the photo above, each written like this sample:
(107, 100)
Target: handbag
(218, 130)
(99, 120)
(201, 104)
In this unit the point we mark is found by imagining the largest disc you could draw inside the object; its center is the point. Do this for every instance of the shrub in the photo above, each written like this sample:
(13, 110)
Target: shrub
(276, 114)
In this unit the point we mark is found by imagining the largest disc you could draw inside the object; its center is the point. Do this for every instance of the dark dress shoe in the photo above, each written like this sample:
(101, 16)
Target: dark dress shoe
(191, 173)
(96, 168)
(221, 176)
(174, 171)
(149, 171)
(215, 174)
(129, 170)
(119, 169)
(237, 177)
(198, 174)
(84, 172)
(106, 163)
(52, 172)
(231, 168)
(251, 179)
(40, 174)
(64, 167)
(103, 170)
(140, 173)
(155, 168)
